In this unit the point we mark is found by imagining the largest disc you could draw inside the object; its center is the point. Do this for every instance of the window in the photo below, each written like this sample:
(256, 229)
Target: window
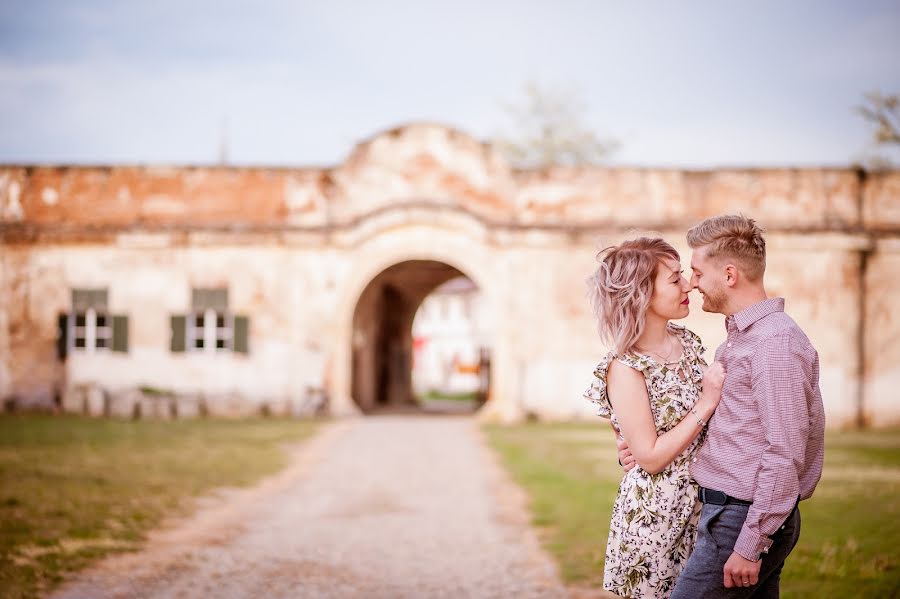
(211, 330)
(91, 330)
(210, 327)
(89, 327)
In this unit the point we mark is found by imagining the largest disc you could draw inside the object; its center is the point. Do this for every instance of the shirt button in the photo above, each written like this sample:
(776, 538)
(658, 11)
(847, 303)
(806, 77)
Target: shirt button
(729, 344)
(694, 460)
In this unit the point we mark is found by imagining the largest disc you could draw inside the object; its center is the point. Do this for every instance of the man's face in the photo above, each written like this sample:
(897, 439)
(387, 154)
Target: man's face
(708, 277)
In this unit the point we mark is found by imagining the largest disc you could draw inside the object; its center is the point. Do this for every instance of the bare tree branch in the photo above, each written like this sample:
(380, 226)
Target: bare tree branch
(549, 130)
(884, 113)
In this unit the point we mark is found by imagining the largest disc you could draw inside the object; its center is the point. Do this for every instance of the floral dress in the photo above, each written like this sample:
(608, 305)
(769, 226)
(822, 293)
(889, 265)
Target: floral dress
(654, 519)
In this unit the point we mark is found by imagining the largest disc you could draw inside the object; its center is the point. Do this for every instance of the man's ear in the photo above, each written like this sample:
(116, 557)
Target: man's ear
(731, 275)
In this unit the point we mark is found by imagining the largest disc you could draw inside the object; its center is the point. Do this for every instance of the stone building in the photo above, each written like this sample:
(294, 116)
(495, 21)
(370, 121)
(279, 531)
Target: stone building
(276, 287)
(448, 340)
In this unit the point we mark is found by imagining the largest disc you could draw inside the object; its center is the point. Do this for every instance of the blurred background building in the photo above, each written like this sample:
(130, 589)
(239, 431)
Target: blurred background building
(233, 290)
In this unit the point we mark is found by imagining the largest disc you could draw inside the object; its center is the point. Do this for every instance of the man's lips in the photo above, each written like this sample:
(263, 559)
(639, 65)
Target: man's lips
(686, 302)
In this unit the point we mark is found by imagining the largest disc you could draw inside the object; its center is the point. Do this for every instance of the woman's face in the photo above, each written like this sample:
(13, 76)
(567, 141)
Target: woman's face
(670, 291)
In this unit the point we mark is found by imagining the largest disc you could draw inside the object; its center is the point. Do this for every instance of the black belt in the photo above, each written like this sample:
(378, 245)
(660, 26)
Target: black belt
(720, 498)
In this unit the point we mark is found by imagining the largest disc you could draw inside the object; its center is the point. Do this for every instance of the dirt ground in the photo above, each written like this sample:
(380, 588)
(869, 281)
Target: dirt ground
(389, 506)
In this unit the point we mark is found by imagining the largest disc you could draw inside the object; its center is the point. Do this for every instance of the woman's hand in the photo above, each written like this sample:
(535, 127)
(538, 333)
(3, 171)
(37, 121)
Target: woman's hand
(711, 394)
(626, 460)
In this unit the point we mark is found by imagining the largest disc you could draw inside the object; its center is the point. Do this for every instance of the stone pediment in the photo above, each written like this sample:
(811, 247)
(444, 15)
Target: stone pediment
(421, 163)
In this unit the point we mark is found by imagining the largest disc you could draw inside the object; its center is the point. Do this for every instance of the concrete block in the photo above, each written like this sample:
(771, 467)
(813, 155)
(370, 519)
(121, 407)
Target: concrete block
(73, 400)
(188, 406)
(95, 401)
(124, 404)
(230, 405)
(156, 407)
(277, 408)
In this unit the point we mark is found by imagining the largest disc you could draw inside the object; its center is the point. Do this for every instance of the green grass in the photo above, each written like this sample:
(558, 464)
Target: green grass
(440, 395)
(75, 489)
(850, 539)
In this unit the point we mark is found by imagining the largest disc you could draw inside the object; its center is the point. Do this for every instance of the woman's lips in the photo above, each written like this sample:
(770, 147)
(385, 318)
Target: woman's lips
(686, 302)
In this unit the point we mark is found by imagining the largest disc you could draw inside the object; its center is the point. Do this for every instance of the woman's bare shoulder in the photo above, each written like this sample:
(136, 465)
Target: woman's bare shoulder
(624, 373)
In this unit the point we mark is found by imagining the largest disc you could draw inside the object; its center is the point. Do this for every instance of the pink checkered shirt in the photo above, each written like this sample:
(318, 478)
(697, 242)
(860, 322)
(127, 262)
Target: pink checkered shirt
(765, 442)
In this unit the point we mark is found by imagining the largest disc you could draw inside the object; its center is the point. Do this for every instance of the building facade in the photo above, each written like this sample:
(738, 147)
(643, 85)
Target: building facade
(251, 288)
(450, 348)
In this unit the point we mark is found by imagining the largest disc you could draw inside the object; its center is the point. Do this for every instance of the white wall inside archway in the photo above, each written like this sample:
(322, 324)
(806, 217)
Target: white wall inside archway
(382, 342)
(451, 352)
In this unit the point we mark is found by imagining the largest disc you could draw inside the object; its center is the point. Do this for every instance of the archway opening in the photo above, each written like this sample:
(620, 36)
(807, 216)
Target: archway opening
(444, 366)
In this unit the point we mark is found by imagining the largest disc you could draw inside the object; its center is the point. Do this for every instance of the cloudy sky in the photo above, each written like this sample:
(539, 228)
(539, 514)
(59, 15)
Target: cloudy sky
(689, 84)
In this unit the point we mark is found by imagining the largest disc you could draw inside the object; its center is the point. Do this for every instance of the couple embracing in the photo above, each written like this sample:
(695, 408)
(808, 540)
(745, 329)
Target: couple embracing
(716, 457)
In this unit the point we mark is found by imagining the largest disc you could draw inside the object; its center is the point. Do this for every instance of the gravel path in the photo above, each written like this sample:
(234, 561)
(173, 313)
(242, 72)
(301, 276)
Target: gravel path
(391, 506)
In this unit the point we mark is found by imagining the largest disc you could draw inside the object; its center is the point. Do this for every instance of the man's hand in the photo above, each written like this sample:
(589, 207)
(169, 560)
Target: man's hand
(741, 572)
(625, 457)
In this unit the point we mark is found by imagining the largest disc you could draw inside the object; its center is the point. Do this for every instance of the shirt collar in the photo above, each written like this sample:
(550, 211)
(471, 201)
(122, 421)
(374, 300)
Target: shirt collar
(751, 314)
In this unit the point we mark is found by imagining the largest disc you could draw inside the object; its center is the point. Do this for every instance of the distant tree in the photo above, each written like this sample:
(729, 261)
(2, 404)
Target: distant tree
(549, 129)
(883, 112)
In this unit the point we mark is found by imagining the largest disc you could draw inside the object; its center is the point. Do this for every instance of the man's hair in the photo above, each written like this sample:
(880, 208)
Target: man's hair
(621, 287)
(733, 237)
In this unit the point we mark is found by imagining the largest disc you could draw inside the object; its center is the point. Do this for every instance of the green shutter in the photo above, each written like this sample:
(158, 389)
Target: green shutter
(62, 336)
(241, 334)
(179, 326)
(120, 334)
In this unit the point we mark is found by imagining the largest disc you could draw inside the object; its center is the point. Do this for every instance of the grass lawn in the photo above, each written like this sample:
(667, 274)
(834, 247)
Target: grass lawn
(74, 489)
(850, 539)
(440, 395)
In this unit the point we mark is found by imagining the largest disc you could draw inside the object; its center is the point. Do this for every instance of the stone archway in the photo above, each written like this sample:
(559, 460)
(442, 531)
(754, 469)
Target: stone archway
(382, 347)
(457, 241)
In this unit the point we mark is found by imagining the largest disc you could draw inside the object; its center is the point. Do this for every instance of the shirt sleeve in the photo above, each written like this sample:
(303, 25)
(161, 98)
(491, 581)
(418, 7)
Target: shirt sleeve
(780, 372)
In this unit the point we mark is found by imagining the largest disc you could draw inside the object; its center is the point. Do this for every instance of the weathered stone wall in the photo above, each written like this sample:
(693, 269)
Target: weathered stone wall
(296, 249)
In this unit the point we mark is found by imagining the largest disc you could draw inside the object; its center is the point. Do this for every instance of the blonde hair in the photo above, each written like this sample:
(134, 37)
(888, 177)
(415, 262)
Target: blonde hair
(621, 288)
(732, 236)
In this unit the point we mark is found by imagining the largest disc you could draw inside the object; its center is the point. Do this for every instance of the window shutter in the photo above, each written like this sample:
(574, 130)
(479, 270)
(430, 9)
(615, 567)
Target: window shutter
(241, 334)
(62, 336)
(179, 324)
(120, 334)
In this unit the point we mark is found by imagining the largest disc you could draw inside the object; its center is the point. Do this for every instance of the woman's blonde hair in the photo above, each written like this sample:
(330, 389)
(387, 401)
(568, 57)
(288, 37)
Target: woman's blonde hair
(621, 288)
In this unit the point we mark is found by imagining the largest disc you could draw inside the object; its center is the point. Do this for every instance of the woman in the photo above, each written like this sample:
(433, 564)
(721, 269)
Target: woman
(653, 388)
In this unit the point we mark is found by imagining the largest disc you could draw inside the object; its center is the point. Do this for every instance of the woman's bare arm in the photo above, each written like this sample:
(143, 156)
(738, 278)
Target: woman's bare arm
(628, 395)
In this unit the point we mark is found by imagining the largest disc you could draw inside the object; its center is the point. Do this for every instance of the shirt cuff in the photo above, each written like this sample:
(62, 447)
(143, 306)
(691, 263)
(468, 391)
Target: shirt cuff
(752, 545)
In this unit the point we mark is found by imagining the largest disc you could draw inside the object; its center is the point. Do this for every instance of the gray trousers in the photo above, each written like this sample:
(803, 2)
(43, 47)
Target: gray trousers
(720, 525)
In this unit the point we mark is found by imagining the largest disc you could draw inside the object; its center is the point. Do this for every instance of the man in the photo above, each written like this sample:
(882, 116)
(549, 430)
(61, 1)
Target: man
(765, 444)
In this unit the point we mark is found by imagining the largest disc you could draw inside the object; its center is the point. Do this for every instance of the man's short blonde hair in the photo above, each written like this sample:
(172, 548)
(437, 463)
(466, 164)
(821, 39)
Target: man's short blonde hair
(732, 237)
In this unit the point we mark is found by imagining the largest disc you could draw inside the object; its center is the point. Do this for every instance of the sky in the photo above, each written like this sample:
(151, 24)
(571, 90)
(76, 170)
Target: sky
(292, 83)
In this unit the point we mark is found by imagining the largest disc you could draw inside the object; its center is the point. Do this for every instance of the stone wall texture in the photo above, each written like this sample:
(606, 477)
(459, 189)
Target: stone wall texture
(296, 249)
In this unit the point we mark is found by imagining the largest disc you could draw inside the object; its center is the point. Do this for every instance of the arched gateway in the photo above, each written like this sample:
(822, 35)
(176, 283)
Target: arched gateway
(392, 272)
(237, 288)
(381, 340)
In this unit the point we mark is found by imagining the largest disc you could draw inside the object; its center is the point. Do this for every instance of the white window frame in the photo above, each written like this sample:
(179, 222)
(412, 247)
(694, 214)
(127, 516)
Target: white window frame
(90, 332)
(210, 332)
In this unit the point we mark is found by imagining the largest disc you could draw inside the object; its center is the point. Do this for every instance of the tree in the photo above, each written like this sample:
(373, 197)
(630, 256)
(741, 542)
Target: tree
(550, 130)
(884, 113)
